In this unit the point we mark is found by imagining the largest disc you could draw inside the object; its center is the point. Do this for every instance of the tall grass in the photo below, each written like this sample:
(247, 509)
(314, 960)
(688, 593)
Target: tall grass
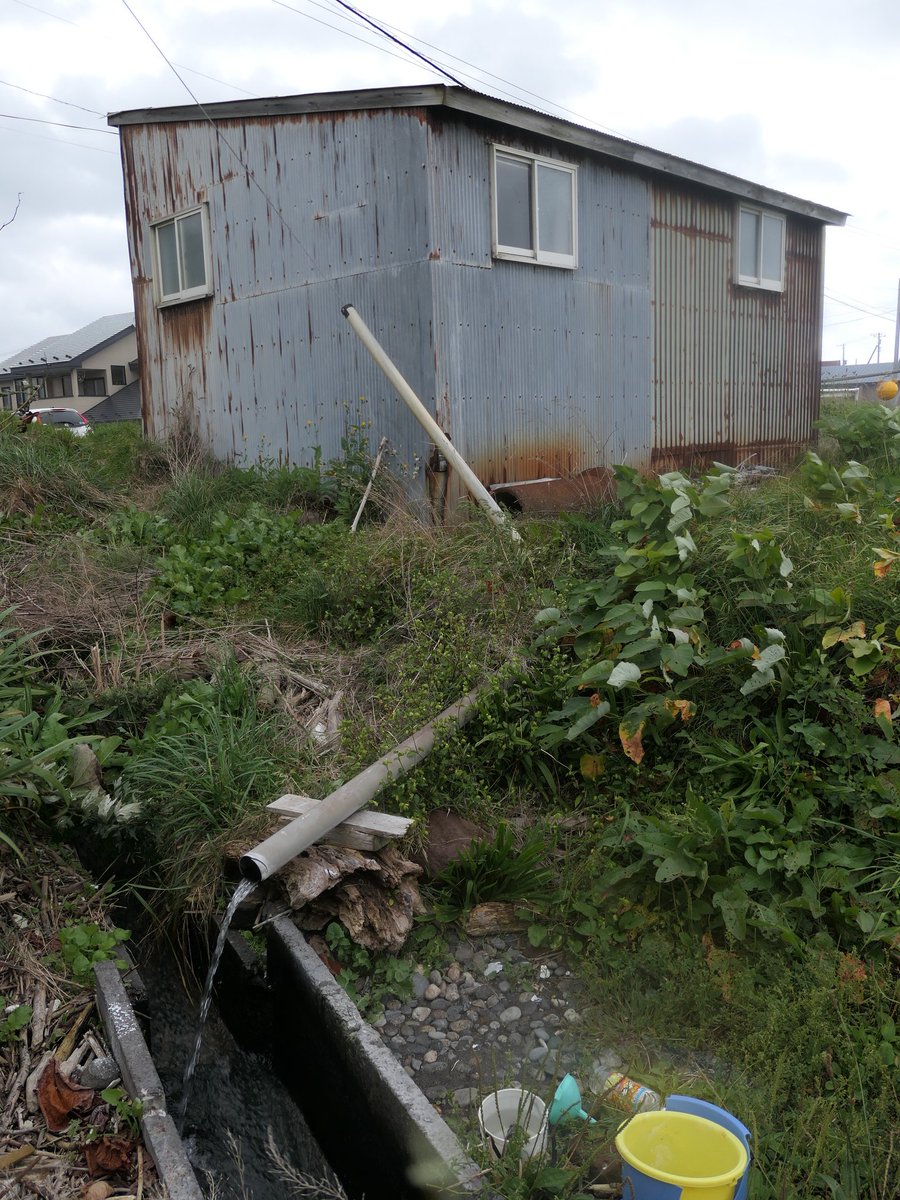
(203, 772)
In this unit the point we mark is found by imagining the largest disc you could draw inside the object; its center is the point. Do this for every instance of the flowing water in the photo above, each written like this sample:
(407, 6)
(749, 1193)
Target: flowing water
(244, 888)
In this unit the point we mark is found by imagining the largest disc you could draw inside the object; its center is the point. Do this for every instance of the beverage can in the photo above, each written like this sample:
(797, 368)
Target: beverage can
(629, 1095)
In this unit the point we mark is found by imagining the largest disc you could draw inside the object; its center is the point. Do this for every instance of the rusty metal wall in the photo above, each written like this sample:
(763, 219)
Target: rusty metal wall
(541, 371)
(735, 369)
(337, 214)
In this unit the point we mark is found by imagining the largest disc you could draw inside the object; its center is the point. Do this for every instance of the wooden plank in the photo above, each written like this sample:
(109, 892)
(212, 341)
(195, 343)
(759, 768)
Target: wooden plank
(365, 830)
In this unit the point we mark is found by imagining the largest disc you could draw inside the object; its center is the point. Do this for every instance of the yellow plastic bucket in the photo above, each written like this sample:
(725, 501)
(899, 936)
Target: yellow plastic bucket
(671, 1154)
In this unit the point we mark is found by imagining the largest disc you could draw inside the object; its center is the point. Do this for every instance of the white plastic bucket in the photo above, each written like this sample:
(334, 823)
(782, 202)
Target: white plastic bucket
(500, 1113)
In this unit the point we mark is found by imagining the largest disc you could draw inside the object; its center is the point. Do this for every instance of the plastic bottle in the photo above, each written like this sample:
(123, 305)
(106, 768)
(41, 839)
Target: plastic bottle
(629, 1095)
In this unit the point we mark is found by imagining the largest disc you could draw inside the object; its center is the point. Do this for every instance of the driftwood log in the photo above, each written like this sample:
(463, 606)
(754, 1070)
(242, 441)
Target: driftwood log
(374, 895)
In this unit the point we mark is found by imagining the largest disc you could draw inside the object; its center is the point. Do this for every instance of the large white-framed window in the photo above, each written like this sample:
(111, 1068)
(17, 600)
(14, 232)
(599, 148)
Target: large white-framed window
(181, 252)
(534, 208)
(760, 256)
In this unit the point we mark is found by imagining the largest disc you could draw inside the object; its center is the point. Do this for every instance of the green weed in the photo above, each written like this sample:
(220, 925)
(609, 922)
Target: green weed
(84, 944)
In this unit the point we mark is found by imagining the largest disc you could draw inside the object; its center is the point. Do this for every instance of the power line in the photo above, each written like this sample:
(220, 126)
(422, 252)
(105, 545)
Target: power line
(398, 41)
(61, 124)
(868, 311)
(55, 99)
(56, 16)
(58, 141)
(337, 29)
(220, 136)
(234, 87)
(490, 75)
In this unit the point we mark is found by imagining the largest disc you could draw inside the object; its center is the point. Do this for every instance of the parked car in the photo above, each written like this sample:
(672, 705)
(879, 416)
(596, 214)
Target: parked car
(70, 418)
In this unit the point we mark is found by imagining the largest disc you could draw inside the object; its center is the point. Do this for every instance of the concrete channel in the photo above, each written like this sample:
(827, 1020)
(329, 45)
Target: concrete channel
(378, 1131)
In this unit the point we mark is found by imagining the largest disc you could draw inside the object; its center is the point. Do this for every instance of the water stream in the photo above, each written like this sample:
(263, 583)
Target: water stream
(244, 888)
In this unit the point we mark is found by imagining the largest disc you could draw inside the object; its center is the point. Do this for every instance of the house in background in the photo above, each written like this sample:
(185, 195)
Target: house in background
(78, 370)
(561, 299)
(858, 382)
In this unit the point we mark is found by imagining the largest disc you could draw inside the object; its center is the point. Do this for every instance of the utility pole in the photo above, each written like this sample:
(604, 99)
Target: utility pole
(897, 329)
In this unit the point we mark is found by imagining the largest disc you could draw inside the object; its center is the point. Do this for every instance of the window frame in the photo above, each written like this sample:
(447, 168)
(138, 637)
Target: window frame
(759, 281)
(537, 256)
(183, 295)
(123, 375)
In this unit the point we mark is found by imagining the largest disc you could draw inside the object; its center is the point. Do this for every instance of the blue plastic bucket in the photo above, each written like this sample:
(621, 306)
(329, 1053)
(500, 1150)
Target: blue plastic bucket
(678, 1156)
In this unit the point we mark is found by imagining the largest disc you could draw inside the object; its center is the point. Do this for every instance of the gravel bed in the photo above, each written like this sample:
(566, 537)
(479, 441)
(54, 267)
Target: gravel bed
(498, 1014)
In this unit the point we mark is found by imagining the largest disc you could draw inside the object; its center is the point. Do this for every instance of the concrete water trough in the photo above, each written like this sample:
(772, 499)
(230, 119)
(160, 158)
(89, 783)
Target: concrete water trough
(378, 1131)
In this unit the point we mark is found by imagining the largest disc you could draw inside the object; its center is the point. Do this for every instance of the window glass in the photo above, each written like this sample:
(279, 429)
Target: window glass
(168, 259)
(773, 232)
(117, 376)
(555, 233)
(514, 222)
(193, 263)
(63, 417)
(749, 244)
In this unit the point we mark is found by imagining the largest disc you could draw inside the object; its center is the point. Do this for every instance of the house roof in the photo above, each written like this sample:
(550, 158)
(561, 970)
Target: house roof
(856, 375)
(123, 405)
(464, 100)
(70, 349)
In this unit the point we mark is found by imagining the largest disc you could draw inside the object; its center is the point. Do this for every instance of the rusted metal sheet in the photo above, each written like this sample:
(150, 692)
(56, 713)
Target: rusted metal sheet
(735, 369)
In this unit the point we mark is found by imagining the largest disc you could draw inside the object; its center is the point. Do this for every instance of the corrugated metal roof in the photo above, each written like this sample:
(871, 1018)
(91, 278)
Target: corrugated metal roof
(474, 103)
(866, 373)
(67, 347)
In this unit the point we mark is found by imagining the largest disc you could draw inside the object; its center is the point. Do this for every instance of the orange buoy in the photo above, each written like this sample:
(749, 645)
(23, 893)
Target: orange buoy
(886, 390)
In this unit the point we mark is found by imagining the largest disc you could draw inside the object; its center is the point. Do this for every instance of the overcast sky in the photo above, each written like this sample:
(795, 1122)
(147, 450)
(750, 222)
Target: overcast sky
(795, 94)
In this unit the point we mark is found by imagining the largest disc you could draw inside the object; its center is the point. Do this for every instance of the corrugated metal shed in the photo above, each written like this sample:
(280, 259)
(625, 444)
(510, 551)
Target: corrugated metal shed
(646, 353)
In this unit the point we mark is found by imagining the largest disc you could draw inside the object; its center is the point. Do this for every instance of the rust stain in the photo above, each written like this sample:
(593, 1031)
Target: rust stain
(434, 256)
(692, 231)
(699, 458)
(186, 327)
(584, 490)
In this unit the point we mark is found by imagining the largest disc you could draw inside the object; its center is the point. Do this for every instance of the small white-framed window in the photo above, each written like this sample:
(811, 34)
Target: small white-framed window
(534, 209)
(760, 257)
(181, 251)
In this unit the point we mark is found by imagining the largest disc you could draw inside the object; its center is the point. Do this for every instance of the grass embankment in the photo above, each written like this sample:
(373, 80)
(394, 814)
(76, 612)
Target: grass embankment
(701, 727)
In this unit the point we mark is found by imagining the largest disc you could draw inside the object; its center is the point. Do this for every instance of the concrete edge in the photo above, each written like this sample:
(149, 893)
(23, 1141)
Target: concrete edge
(142, 1083)
(438, 1161)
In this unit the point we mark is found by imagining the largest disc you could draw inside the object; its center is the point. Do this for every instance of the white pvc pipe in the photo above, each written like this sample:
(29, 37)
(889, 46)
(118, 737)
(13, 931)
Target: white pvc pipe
(428, 423)
(298, 835)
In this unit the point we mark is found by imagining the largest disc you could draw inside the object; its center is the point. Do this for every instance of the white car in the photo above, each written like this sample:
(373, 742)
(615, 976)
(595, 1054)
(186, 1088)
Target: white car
(69, 418)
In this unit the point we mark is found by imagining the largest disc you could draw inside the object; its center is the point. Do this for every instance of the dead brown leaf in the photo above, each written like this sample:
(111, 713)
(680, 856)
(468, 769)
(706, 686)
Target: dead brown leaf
(109, 1156)
(631, 742)
(58, 1098)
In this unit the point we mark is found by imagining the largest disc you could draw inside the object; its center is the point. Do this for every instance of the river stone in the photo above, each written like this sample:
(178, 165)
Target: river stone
(430, 1056)
(451, 992)
(419, 984)
(464, 952)
(100, 1073)
(454, 973)
(421, 1013)
(463, 1097)
(510, 1014)
(432, 991)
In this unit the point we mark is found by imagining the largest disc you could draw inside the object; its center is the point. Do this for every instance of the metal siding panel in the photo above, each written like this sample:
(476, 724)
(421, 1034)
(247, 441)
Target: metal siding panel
(540, 371)
(268, 364)
(735, 368)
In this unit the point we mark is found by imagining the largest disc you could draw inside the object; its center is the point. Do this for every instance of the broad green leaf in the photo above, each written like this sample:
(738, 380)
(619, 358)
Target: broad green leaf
(622, 674)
